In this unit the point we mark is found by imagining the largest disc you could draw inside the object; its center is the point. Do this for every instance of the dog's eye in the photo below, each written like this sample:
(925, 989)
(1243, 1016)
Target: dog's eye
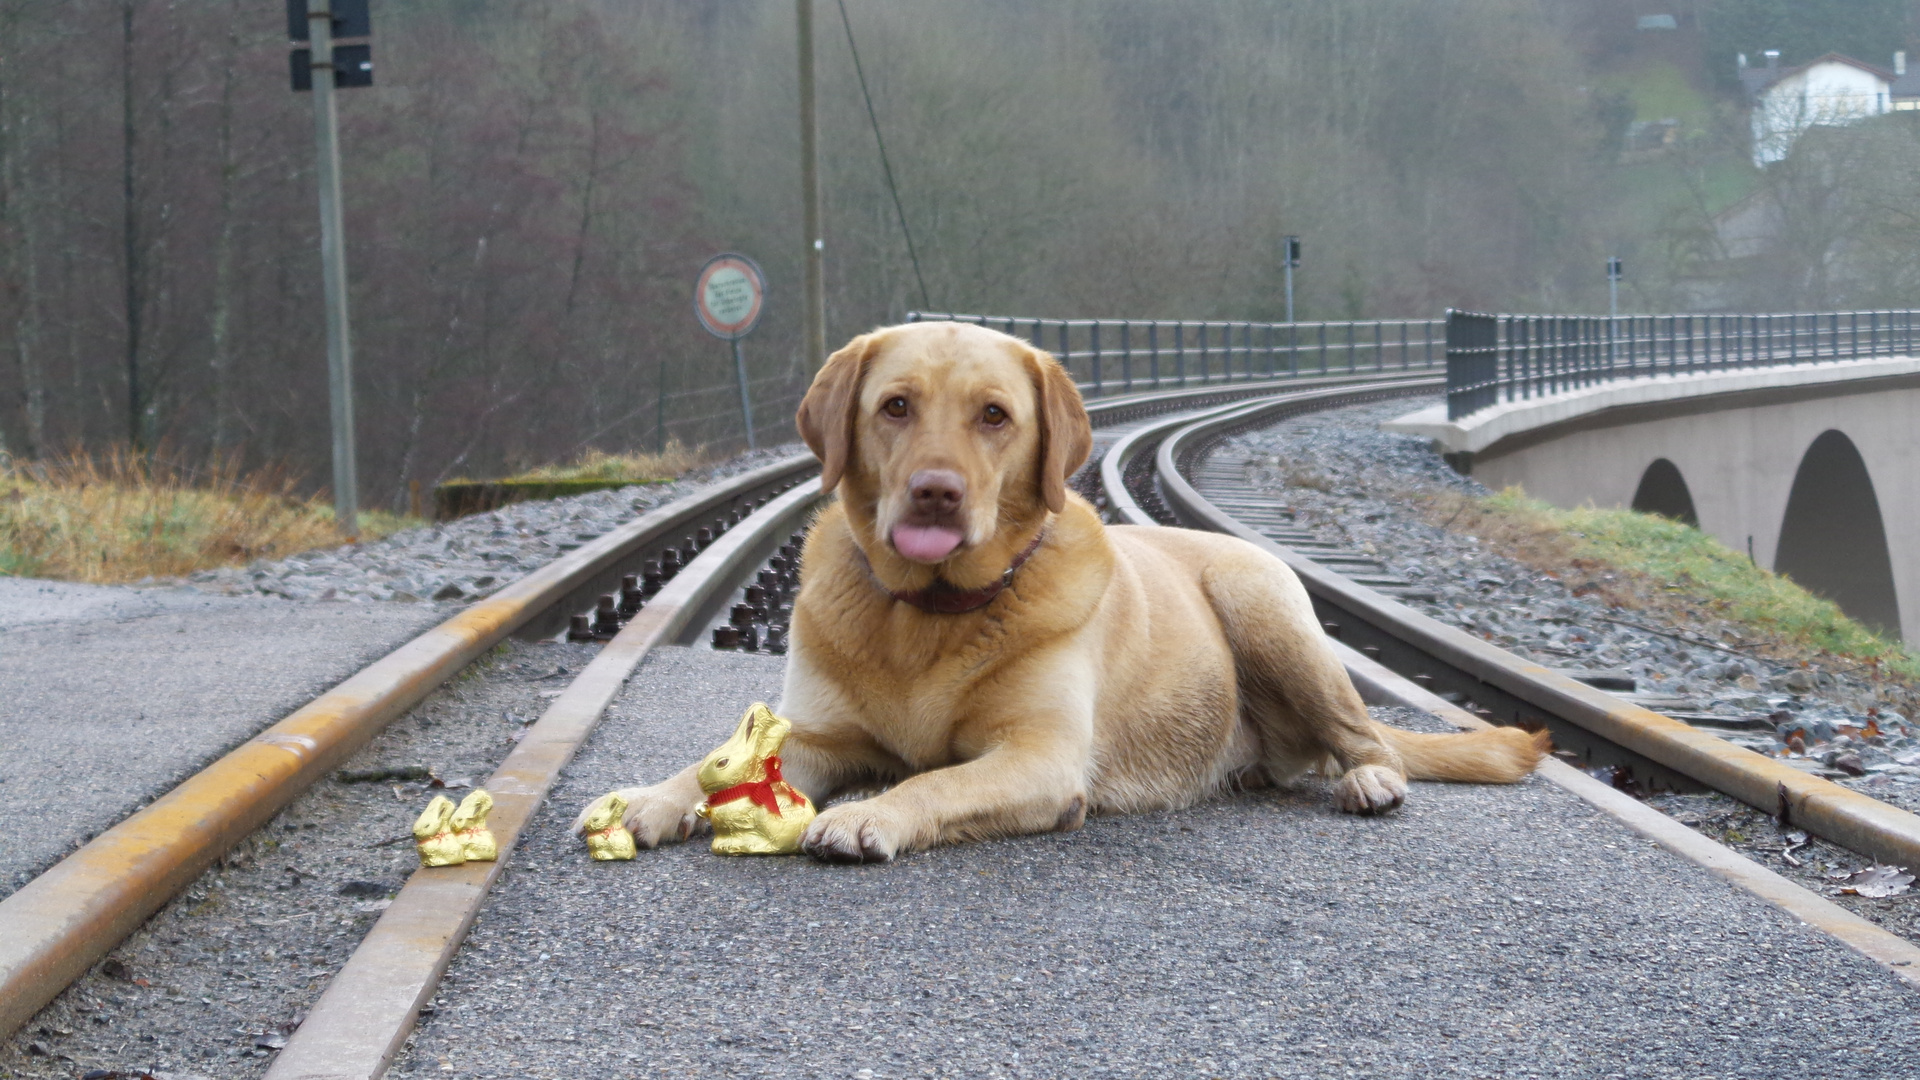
(895, 407)
(993, 415)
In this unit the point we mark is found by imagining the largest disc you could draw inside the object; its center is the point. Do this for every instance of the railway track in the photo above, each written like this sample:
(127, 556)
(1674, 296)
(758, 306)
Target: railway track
(678, 574)
(719, 567)
(1166, 473)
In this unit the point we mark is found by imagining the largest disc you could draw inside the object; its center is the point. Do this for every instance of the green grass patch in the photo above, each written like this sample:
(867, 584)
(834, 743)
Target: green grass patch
(1641, 560)
(1660, 90)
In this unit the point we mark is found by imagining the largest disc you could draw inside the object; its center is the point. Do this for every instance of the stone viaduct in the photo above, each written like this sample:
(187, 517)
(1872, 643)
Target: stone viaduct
(1813, 469)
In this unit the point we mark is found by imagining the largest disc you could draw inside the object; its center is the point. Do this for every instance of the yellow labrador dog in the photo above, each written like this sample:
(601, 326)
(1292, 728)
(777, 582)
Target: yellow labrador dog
(975, 647)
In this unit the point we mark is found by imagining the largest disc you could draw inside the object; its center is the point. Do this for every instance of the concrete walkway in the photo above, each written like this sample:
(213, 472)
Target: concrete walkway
(110, 696)
(1509, 932)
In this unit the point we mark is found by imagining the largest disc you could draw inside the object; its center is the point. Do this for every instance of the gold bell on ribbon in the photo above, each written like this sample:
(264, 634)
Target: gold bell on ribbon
(433, 835)
(607, 839)
(752, 809)
(469, 825)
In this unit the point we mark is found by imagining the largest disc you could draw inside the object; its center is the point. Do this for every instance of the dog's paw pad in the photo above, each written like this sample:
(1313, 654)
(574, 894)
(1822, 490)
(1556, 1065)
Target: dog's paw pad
(1370, 789)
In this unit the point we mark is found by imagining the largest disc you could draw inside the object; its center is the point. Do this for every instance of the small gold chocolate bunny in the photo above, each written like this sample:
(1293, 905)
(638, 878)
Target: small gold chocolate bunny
(607, 839)
(433, 835)
(752, 809)
(469, 824)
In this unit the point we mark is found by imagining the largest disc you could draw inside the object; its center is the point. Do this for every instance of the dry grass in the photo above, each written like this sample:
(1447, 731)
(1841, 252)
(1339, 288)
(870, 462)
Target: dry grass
(600, 465)
(1644, 562)
(122, 517)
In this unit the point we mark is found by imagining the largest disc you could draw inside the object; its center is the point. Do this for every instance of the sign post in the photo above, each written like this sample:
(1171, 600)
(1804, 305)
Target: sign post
(728, 297)
(320, 22)
(1292, 260)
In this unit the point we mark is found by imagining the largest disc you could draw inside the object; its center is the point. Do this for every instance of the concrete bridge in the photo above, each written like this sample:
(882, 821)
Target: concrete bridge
(1812, 467)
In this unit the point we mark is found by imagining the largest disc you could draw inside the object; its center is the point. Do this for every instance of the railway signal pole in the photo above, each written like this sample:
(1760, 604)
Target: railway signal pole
(814, 300)
(322, 68)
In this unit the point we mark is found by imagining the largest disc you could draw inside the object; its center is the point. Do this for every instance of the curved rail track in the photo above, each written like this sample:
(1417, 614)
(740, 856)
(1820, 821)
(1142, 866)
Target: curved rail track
(690, 560)
(1160, 473)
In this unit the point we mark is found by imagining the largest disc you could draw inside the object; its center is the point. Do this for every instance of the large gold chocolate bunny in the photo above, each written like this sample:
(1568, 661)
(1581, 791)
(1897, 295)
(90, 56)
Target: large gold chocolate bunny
(753, 811)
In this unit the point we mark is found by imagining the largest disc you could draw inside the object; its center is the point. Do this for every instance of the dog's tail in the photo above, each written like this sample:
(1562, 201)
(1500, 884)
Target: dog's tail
(1500, 755)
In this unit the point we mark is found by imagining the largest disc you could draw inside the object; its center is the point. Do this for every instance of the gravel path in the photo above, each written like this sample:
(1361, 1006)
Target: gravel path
(1503, 932)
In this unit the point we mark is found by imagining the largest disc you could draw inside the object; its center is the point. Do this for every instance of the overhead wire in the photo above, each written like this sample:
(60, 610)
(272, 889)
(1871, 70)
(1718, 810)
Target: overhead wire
(886, 165)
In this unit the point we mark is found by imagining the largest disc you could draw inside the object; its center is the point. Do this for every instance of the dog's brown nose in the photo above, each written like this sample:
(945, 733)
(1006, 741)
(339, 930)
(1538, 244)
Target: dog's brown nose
(937, 492)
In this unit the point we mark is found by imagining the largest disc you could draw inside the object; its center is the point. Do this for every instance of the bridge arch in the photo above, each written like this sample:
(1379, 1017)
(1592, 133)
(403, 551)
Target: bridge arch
(1832, 539)
(1664, 491)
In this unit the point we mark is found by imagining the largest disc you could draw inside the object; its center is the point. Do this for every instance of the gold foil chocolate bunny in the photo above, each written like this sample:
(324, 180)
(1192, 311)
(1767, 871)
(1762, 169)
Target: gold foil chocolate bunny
(449, 837)
(607, 839)
(469, 824)
(433, 835)
(753, 811)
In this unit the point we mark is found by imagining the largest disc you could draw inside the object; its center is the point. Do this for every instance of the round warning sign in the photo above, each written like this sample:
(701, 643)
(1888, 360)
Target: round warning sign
(728, 296)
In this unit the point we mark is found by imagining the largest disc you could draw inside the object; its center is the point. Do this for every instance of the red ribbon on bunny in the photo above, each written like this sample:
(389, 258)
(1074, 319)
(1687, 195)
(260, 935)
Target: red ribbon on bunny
(761, 792)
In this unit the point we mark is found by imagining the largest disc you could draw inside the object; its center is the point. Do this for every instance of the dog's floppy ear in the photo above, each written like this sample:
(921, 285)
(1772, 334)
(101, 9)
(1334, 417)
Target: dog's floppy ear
(1066, 435)
(826, 414)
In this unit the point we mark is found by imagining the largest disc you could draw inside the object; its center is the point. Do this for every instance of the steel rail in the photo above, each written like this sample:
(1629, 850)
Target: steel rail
(59, 924)
(1662, 751)
(369, 1008)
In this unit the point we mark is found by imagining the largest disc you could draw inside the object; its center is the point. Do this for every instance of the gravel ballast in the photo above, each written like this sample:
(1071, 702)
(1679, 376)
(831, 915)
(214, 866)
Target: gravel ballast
(463, 560)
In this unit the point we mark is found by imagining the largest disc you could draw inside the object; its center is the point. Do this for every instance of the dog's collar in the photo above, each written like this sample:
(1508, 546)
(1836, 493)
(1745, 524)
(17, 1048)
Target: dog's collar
(941, 598)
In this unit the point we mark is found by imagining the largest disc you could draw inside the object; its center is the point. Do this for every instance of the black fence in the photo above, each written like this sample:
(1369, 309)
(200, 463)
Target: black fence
(1114, 356)
(1494, 358)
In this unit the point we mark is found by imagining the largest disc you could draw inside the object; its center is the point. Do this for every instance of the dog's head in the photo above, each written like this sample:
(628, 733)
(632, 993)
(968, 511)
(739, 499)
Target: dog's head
(941, 436)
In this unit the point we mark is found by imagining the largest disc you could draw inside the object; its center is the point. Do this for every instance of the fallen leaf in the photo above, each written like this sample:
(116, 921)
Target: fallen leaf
(1878, 881)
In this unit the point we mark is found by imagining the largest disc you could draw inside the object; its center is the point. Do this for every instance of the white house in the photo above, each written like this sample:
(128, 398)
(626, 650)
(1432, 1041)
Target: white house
(1832, 90)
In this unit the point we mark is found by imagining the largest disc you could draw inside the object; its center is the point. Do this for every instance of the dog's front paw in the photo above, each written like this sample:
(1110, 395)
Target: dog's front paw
(1370, 789)
(854, 832)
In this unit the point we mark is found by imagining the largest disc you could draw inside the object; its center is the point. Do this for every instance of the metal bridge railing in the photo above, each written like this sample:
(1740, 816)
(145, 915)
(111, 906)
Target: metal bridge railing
(1494, 358)
(1119, 355)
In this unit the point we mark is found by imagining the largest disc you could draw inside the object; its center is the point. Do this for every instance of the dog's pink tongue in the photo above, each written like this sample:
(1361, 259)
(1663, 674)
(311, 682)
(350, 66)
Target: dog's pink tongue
(925, 543)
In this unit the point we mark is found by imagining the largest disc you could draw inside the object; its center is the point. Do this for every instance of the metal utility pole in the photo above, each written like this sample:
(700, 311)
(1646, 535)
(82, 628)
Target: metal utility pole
(1292, 260)
(328, 68)
(136, 428)
(814, 315)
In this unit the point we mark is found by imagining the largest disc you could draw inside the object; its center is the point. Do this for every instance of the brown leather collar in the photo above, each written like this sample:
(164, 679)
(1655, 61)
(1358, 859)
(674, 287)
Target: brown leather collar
(941, 598)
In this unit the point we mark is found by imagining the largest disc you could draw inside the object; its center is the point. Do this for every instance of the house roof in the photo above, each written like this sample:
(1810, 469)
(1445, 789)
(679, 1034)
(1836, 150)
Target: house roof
(1758, 79)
